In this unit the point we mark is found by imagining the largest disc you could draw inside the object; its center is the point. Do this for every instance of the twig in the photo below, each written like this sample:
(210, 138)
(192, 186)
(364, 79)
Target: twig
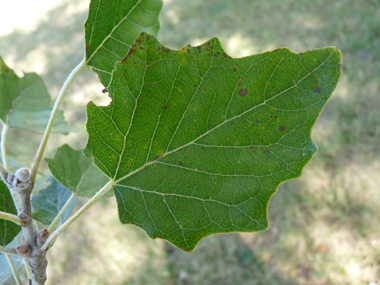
(49, 126)
(56, 219)
(10, 217)
(3, 139)
(14, 271)
(8, 250)
(84, 208)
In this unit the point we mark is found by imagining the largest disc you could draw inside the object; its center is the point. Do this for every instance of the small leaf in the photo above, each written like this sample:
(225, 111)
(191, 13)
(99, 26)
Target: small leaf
(25, 102)
(198, 142)
(47, 203)
(71, 168)
(5, 270)
(8, 229)
(112, 27)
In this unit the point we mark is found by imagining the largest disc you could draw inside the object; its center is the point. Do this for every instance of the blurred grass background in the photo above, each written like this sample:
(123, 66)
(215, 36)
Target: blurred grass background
(324, 226)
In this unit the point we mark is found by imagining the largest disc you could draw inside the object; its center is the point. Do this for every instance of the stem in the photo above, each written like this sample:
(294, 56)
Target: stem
(84, 208)
(8, 250)
(51, 227)
(3, 151)
(14, 271)
(49, 126)
(10, 217)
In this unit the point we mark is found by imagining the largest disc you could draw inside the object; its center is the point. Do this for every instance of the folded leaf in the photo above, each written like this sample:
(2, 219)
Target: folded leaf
(112, 27)
(25, 102)
(71, 168)
(198, 142)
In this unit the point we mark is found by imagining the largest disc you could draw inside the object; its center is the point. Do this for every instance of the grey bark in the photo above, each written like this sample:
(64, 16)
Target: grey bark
(20, 183)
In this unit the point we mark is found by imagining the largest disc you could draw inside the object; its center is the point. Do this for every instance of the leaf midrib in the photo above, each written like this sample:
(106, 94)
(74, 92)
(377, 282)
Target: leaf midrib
(221, 124)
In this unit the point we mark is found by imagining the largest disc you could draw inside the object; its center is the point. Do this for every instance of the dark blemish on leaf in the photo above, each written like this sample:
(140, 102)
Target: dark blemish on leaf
(180, 163)
(203, 147)
(276, 49)
(268, 155)
(109, 154)
(179, 224)
(234, 69)
(210, 179)
(282, 128)
(317, 90)
(188, 51)
(138, 41)
(195, 85)
(212, 47)
(169, 194)
(251, 146)
(142, 48)
(243, 92)
(127, 166)
(268, 132)
(147, 37)
(275, 117)
(232, 124)
(205, 89)
(165, 107)
(128, 55)
(277, 110)
(104, 90)
(6, 203)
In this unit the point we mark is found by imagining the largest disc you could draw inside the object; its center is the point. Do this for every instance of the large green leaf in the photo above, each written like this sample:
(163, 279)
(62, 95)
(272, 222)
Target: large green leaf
(197, 142)
(112, 27)
(71, 168)
(25, 102)
(8, 229)
(47, 203)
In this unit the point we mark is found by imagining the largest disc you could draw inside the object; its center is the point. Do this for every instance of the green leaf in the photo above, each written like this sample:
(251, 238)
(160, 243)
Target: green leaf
(198, 142)
(71, 168)
(8, 229)
(112, 27)
(5, 270)
(47, 203)
(25, 102)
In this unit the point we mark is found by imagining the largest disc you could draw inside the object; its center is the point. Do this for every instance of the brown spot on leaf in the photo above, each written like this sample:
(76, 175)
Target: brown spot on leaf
(165, 107)
(282, 128)
(317, 90)
(180, 163)
(243, 92)
(104, 90)
(6, 203)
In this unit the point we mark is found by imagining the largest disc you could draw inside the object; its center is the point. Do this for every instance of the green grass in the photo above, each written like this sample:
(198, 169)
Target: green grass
(324, 226)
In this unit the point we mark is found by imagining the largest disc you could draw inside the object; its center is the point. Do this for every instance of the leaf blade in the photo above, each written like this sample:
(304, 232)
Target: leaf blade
(8, 229)
(47, 203)
(195, 127)
(112, 28)
(71, 168)
(26, 102)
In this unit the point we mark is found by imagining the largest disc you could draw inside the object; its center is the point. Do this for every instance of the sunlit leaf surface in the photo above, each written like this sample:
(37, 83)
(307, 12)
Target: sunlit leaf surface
(198, 141)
